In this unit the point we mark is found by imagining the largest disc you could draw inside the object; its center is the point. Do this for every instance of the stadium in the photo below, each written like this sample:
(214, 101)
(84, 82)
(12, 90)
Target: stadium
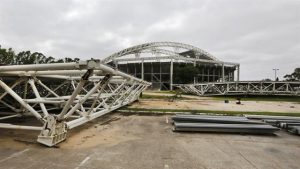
(160, 63)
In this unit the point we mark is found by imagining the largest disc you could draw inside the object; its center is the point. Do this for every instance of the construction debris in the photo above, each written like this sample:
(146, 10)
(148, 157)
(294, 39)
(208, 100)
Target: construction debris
(265, 117)
(295, 130)
(224, 124)
(213, 119)
(291, 124)
(226, 128)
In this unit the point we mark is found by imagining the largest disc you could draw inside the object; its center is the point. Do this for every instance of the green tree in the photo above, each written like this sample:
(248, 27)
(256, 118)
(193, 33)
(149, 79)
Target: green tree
(185, 73)
(266, 80)
(8, 57)
(295, 76)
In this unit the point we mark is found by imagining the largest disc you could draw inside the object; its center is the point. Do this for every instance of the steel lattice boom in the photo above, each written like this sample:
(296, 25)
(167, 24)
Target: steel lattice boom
(243, 88)
(63, 95)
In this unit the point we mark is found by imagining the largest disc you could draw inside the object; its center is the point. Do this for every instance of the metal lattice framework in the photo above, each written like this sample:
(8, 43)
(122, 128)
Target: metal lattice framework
(170, 52)
(154, 48)
(242, 88)
(63, 95)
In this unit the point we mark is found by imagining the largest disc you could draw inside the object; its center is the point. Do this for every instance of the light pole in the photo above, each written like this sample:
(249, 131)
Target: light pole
(275, 70)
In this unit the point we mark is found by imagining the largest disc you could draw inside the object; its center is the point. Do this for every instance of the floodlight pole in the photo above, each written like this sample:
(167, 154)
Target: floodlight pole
(275, 71)
(171, 74)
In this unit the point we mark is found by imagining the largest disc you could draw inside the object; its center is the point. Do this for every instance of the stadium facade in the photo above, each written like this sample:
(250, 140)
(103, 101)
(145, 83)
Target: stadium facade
(157, 62)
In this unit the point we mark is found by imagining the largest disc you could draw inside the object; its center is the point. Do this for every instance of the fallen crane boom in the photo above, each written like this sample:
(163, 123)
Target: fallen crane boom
(78, 92)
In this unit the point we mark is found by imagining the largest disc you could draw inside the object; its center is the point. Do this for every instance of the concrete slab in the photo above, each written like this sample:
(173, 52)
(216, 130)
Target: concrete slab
(147, 142)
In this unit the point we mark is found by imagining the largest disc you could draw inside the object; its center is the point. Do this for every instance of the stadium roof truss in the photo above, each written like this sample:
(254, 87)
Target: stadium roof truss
(197, 54)
(168, 52)
(63, 95)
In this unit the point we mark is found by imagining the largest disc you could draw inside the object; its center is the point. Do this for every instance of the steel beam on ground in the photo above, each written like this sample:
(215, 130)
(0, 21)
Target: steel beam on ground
(92, 96)
(227, 128)
(201, 119)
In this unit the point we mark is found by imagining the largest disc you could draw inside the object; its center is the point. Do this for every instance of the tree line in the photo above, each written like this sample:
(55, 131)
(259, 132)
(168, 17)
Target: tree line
(10, 57)
(185, 73)
(295, 76)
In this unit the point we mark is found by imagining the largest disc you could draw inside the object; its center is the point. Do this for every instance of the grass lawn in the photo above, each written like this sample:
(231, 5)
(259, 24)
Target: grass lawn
(163, 91)
(260, 98)
(207, 112)
(148, 96)
(230, 97)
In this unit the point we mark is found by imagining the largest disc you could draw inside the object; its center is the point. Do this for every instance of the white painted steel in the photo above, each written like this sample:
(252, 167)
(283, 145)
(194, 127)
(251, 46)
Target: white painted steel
(11, 126)
(171, 52)
(153, 46)
(243, 88)
(63, 96)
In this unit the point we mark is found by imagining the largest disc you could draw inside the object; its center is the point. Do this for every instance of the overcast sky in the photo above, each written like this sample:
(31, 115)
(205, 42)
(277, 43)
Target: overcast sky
(258, 34)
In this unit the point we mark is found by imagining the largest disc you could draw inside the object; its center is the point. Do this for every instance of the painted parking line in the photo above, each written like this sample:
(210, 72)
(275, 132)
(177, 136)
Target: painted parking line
(83, 162)
(14, 155)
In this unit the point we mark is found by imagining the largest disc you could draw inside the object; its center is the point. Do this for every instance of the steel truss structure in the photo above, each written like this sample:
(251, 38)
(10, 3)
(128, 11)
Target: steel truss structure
(157, 62)
(243, 88)
(154, 47)
(62, 96)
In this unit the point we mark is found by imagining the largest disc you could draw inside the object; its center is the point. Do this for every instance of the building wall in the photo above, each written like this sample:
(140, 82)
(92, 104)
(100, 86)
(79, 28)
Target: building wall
(158, 73)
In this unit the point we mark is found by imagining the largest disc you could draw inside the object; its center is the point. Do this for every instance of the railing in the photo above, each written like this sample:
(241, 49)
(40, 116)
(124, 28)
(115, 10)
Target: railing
(242, 88)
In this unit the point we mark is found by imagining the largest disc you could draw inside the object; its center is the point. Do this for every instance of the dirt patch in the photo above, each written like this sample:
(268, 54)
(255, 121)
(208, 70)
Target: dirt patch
(100, 132)
(259, 106)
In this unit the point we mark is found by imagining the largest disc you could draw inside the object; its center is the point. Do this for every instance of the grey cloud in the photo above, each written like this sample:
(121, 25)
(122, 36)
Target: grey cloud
(258, 34)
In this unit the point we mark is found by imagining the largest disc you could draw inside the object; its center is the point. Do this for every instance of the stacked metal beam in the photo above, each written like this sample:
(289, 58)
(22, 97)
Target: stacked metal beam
(291, 124)
(295, 130)
(227, 124)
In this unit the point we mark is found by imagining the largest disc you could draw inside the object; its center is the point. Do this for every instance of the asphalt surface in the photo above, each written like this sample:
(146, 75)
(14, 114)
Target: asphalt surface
(147, 142)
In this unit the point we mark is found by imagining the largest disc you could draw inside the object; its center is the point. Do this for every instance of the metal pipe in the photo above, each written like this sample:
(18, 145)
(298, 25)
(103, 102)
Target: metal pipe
(48, 72)
(37, 67)
(20, 100)
(37, 95)
(11, 116)
(82, 120)
(93, 90)
(171, 74)
(115, 72)
(20, 80)
(118, 90)
(271, 117)
(11, 126)
(199, 119)
(295, 130)
(227, 128)
(71, 99)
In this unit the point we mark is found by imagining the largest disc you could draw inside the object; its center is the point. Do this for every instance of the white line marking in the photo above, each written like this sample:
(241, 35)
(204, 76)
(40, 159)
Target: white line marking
(83, 162)
(14, 155)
